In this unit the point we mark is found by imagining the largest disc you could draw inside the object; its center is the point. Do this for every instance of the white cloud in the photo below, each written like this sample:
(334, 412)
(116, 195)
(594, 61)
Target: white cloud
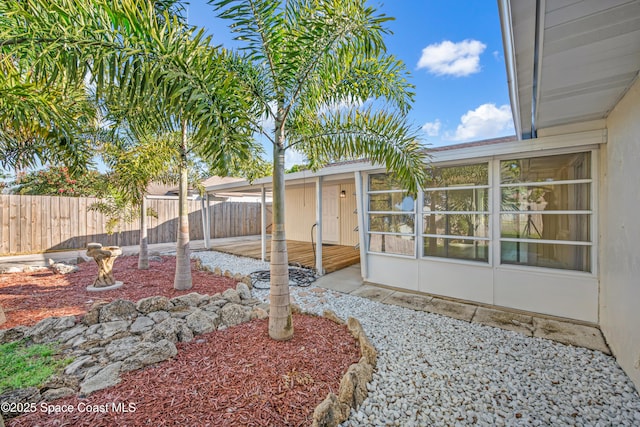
(432, 128)
(455, 59)
(486, 121)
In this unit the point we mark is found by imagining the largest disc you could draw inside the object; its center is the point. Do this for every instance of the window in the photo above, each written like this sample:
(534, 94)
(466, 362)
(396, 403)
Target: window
(456, 213)
(391, 217)
(545, 211)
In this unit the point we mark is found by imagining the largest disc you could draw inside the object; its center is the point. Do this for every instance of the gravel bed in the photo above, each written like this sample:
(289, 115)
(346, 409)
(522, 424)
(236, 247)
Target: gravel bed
(435, 370)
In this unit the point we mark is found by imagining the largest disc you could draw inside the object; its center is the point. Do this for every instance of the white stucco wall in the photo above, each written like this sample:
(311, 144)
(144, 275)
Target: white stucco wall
(620, 234)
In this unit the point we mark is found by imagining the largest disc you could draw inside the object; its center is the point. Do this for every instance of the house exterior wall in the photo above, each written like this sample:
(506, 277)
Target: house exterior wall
(561, 291)
(300, 213)
(620, 234)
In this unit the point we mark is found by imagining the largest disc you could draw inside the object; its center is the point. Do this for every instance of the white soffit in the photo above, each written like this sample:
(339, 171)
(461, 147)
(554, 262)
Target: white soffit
(586, 55)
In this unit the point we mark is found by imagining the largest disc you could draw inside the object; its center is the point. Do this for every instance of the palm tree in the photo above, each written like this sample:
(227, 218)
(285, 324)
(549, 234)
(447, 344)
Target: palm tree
(322, 75)
(142, 58)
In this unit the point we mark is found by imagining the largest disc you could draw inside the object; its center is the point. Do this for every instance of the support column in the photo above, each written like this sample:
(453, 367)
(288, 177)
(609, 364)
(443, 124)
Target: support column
(319, 226)
(204, 200)
(362, 235)
(263, 224)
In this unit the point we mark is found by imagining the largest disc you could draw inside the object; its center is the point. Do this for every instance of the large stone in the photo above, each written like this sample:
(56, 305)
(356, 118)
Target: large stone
(243, 291)
(14, 334)
(201, 322)
(193, 299)
(105, 377)
(147, 353)
(258, 313)
(58, 393)
(367, 350)
(50, 328)
(231, 295)
(173, 330)
(62, 268)
(151, 304)
(93, 315)
(61, 381)
(115, 329)
(121, 348)
(159, 316)
(118, 310)
(234, 314)
(142, 324)
(80, 362)
(70, 335)
(22, 396)
(353, 386)
(330, 412)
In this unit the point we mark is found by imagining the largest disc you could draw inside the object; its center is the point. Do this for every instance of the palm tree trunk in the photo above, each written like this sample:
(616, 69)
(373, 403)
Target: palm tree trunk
(280, 320)
(143, 257)
(182, 280)
(3, 318)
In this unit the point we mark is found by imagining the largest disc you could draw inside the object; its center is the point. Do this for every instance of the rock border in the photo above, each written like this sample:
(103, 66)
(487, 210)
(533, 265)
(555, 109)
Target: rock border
(333, 410)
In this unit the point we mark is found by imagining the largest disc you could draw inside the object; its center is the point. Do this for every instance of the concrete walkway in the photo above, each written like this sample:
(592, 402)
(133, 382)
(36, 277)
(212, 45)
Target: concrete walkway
(565, 331)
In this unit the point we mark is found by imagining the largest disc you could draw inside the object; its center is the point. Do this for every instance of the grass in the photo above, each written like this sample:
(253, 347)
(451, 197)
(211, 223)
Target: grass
(28, 365)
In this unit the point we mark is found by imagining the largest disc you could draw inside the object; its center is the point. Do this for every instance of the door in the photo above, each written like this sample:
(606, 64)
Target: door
(330, 214)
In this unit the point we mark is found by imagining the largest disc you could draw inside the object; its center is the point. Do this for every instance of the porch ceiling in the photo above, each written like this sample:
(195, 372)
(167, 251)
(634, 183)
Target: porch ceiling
(571, 60)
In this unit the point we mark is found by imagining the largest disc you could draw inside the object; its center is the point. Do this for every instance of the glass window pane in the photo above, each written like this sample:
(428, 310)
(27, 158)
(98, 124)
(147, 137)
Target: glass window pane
(561, 197)
(574, 227)
(473, 199)
(383, 181)
(474, 250)
(548, 168)
(566, 257)
(390, 202)
(458, 176)
(390, 244)
(392, 223)
(470, 225)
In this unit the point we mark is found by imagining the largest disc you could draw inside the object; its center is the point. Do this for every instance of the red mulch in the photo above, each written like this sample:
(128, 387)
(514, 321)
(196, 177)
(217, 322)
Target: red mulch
(30, 297)
(235, 377)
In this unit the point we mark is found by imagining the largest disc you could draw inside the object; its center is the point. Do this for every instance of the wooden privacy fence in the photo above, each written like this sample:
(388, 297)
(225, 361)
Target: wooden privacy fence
(34, 224)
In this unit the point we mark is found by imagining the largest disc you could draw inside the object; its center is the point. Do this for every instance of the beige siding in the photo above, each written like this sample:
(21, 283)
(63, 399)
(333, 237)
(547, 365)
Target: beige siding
(300, 213)
(619, 231)
(348, 219)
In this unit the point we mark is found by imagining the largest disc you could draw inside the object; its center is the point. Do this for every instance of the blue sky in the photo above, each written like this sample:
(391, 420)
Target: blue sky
(453, 50)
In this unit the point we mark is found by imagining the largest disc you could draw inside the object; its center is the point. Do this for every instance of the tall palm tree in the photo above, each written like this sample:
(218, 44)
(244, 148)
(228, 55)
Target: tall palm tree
(322, 75)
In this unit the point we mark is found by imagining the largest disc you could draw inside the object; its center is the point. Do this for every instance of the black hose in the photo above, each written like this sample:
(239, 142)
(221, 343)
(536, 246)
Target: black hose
(302, 277)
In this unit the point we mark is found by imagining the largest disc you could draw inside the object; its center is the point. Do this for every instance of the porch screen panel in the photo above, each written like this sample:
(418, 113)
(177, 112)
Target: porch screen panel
(546, 212)
(391, 217)
(455, 213)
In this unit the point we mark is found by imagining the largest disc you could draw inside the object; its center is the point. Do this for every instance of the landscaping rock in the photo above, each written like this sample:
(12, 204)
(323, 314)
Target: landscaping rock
(121, 348)
(329, 413)
(62, 268)
(105, 377)
(57, 393)
(193, 299)
(243, 291)
(113, 330)
(13, 334)
(173, 330)
(70, 335)
(142, 324)
(159, 316)
(80, 362)
(118, 310)
(231, 295)
(93, 315)
(147, 353)
(258, 313)
(22, 395)
(61, 381)
(201, 322)
(48, 329)
(234, 314)
(151, 304)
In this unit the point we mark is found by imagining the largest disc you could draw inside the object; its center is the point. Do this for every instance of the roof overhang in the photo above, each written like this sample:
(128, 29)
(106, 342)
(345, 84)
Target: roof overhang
(568, 61)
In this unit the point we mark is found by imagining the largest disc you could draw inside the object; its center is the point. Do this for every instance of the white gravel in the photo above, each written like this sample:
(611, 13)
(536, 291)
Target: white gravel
(435, 370)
